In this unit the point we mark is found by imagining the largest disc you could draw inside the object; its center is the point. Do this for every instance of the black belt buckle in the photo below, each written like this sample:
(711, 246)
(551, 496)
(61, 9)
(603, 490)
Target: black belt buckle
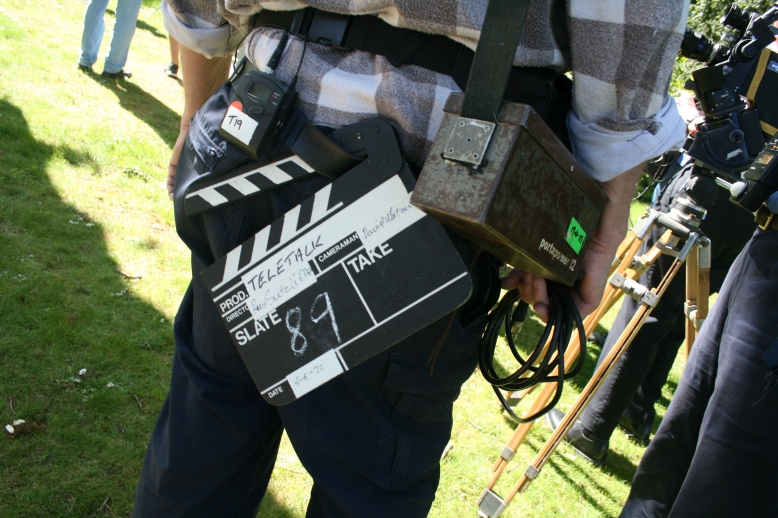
(325, 28)
(763, 217)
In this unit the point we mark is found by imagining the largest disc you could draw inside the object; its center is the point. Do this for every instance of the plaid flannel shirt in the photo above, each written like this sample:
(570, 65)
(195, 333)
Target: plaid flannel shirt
(620, 52)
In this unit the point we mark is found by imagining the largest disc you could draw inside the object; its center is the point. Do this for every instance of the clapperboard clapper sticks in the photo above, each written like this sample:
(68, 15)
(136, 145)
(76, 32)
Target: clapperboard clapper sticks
(244, 181)
(340, 278)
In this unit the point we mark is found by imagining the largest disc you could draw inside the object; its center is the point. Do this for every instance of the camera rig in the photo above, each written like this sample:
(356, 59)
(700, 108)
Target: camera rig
(735, 92)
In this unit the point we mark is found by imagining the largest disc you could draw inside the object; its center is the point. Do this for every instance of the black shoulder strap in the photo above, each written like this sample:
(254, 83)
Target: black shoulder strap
(502, 28)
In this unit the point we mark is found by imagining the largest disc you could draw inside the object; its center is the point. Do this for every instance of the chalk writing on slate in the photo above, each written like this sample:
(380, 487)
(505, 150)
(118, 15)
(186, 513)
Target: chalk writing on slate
(338, 279)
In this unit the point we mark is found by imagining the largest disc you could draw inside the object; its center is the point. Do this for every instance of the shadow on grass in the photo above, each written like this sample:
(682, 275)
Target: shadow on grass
(156, 114)
(620, 467)
(59, 313)
(563, 466)
(672, 386)
(64, 308)
(140, 24)
(271, 508)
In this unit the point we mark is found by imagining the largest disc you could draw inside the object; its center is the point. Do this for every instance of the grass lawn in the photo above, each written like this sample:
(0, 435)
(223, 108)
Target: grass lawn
(91, 273)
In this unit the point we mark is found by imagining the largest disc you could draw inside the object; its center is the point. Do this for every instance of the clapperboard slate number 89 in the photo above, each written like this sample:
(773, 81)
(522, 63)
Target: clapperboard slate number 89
(338, 279)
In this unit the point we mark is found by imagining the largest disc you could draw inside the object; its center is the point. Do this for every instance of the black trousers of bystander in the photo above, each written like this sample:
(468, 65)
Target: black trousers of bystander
(715, 453)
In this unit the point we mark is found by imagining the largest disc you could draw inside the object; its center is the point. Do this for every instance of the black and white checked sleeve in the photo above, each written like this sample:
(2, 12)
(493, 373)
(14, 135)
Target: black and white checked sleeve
(622, 55)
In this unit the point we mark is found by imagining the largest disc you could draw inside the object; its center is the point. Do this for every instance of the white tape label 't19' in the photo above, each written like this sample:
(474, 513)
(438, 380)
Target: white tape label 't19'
(238, 124)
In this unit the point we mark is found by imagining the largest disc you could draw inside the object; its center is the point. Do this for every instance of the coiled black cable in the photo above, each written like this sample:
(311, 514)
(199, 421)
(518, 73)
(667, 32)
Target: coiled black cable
(538, 367)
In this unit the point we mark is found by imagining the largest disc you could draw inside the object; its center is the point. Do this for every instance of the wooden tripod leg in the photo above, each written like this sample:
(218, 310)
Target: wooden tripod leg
(610, 297)
(597, 379)
(492, 503)
(690, 306)
(547, 391)
(545, 395)
(703, 287)
(648, 301)
(696, 306)
(625, 257)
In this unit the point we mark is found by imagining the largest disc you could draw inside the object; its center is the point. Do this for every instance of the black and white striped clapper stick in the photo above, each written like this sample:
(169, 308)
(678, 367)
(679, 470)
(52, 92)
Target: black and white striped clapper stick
(348, 273)
(243, 181)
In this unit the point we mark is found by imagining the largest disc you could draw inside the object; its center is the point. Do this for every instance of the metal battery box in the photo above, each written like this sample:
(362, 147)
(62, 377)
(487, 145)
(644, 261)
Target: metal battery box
(529, 202)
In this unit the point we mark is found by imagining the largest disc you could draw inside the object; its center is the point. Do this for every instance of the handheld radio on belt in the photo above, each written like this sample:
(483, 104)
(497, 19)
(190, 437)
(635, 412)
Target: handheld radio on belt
(260, 107)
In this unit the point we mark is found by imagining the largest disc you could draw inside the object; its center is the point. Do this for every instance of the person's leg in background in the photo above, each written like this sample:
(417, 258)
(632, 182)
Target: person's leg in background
(94, 27)
(641, 411)
(605, 411)
(172, 69)
(628, 395)
(729, 229)
(590, 435)
(126, 17)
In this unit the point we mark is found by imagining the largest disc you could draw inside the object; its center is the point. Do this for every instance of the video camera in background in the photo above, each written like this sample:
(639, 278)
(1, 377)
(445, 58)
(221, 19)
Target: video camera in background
(736, 93)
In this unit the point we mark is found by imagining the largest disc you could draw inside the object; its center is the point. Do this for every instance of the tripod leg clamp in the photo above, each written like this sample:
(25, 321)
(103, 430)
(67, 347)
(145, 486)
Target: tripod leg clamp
(653, 215)
(507, 454)
(640, 265)
(634, 289)
(704, 260)
(690, 310)
(531, 472)
(490, 505)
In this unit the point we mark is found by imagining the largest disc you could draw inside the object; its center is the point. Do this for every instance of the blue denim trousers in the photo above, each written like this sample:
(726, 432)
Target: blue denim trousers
(123, 31)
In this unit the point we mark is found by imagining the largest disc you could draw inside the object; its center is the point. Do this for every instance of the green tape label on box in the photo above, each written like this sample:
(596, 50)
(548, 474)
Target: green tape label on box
(575, 236)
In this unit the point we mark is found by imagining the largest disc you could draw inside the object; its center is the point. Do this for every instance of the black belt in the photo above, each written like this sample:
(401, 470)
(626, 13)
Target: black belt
(404, 47)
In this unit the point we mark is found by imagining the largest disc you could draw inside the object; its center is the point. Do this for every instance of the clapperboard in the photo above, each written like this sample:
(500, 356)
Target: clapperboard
(348, 273)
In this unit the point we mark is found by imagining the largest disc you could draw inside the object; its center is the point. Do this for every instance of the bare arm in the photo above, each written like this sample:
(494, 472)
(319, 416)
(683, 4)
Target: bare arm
(596, 263)
(202, 77)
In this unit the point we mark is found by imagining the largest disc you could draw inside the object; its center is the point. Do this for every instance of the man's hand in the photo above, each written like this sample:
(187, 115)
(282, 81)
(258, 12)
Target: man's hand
(599, 256)
(201, 78)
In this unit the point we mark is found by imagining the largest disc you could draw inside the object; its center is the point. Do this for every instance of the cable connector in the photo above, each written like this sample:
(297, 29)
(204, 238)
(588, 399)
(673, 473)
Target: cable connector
(272, 63)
